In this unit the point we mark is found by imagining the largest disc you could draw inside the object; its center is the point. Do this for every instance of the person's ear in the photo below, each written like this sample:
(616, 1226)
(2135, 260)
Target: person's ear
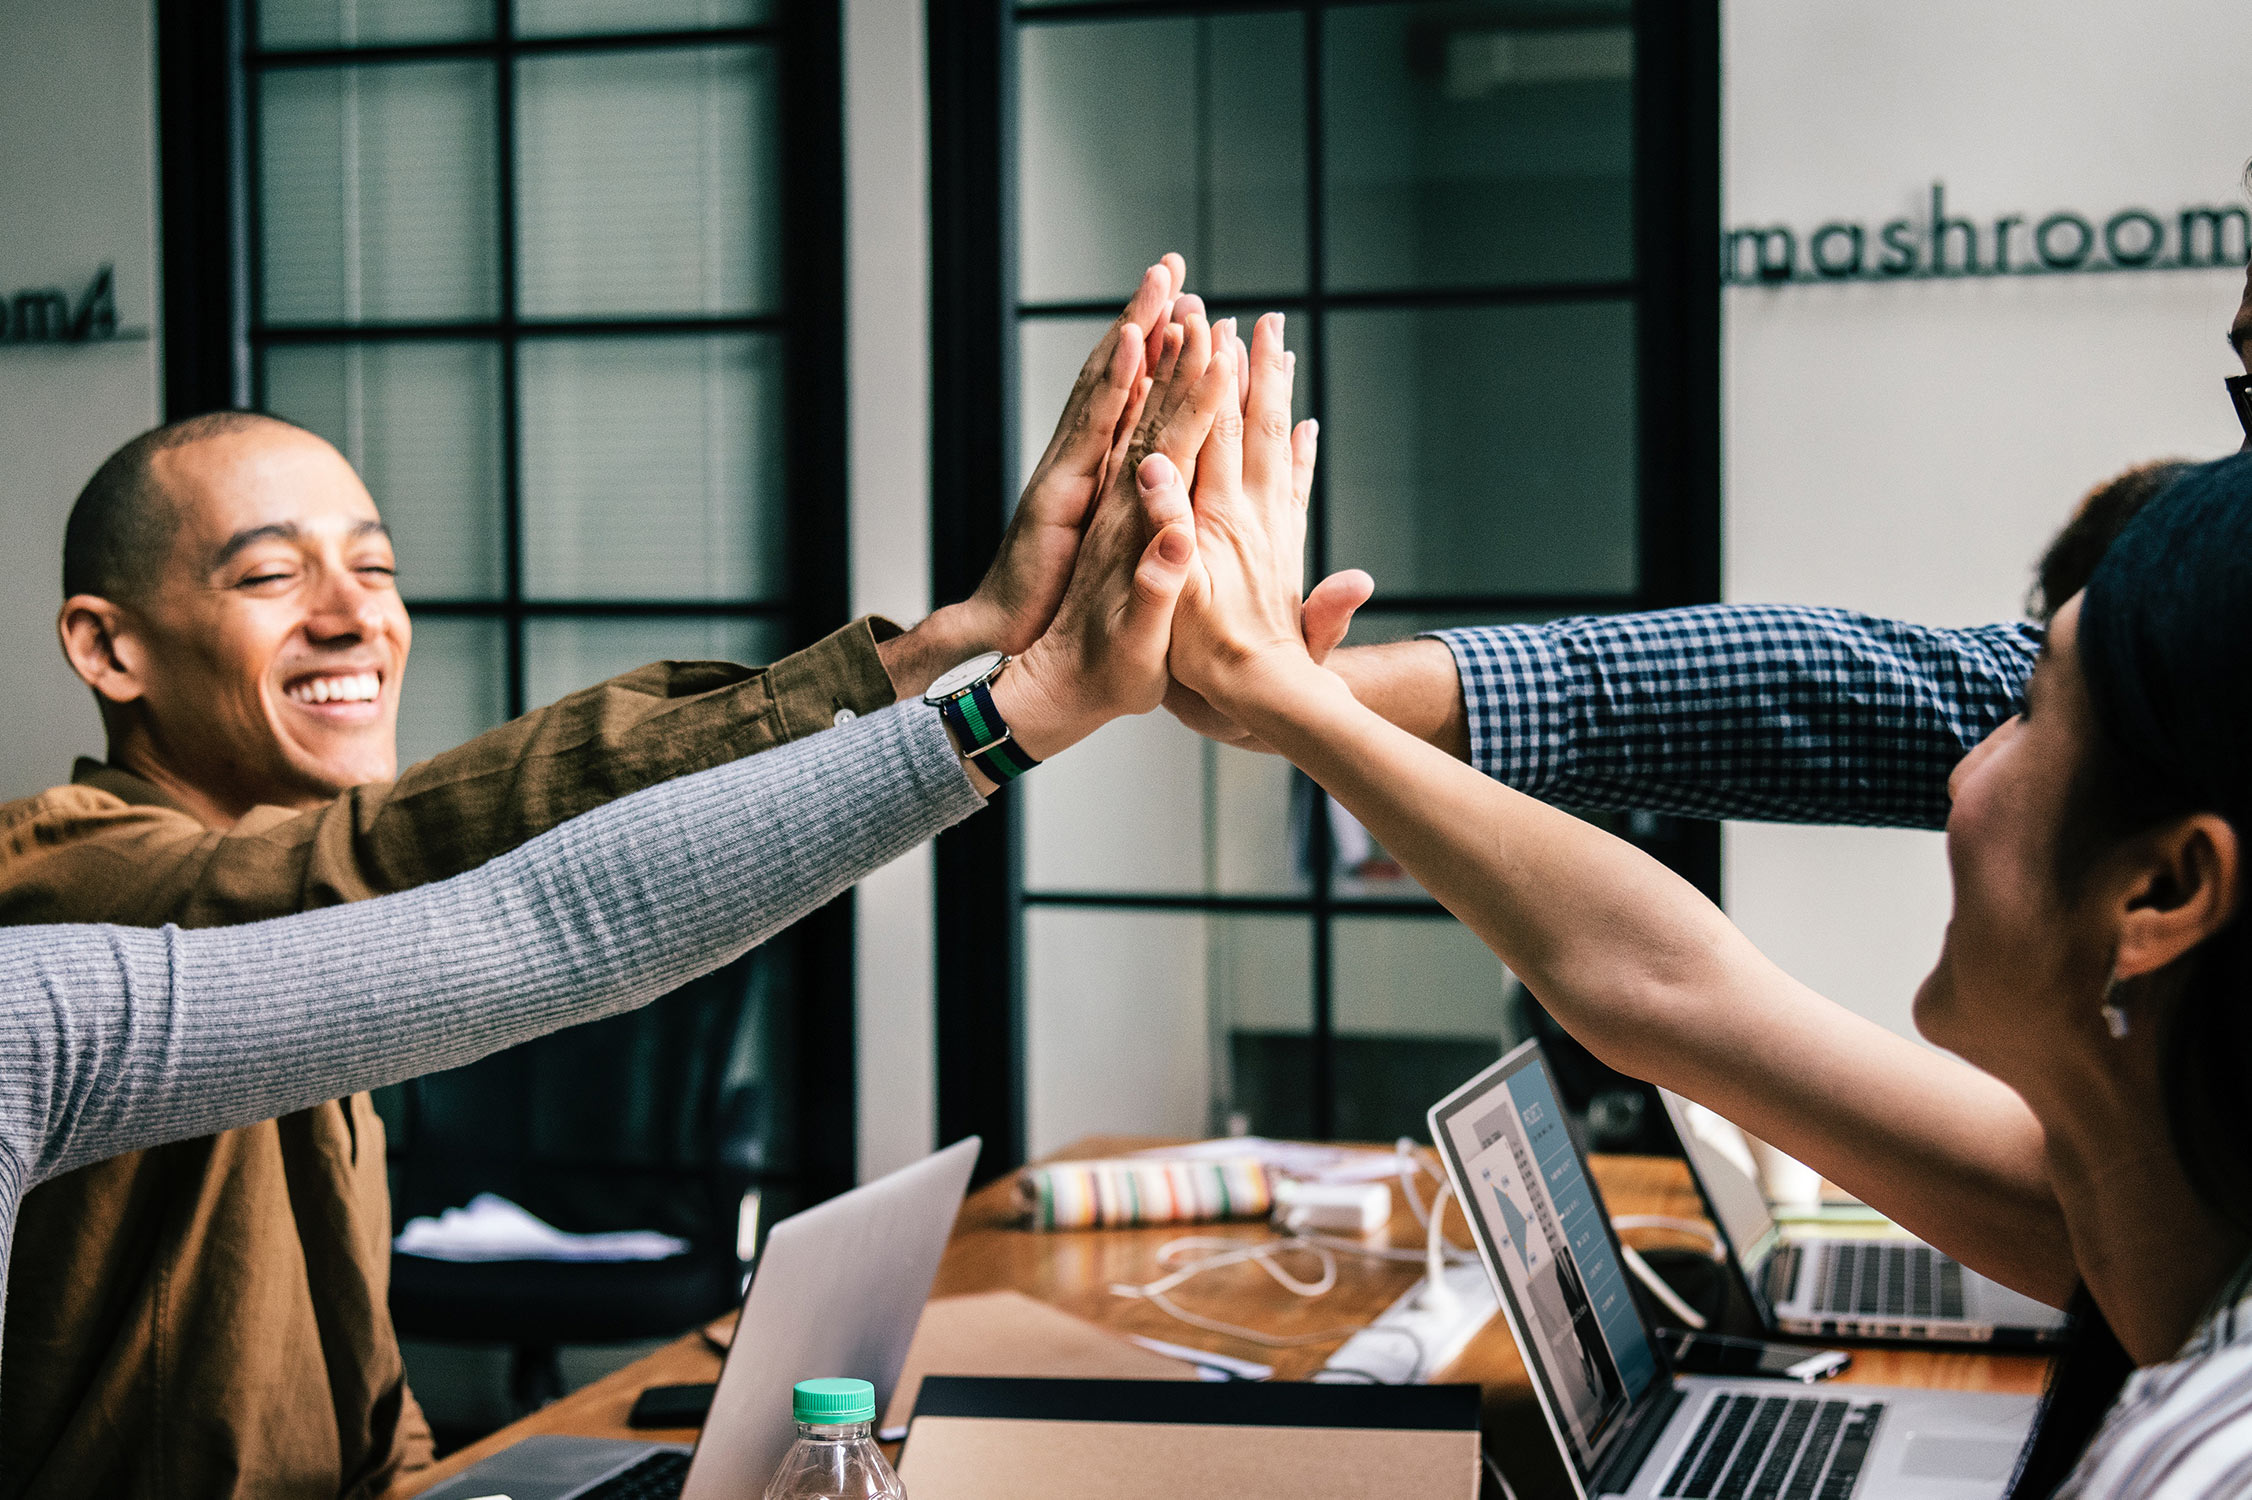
(103, 647)
(2184, 889)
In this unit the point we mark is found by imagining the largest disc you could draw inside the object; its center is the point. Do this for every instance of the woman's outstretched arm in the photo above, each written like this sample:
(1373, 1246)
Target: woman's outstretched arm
(1630, 958)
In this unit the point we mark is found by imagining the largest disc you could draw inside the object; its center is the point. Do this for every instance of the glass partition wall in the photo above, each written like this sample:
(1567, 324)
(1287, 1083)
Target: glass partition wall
(562, 278)
(1483, 220)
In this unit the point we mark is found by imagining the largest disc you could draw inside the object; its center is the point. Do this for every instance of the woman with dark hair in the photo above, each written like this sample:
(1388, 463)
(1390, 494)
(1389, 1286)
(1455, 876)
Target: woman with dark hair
(2094, 985)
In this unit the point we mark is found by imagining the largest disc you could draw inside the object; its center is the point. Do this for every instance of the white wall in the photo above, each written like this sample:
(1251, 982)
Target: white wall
(888, 334)
(78, 178)
(1908, 448)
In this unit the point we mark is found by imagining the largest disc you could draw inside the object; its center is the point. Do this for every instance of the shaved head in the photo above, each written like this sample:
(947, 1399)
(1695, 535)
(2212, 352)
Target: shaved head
(122, 527)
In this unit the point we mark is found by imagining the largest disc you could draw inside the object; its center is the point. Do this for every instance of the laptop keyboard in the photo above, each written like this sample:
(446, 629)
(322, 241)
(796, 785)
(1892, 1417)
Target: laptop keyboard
(657, 1477)
(1861, 1279)
(1776, 1448)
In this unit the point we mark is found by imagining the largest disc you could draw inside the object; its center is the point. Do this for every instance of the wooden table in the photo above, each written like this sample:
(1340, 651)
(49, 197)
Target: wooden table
(1075, 1270)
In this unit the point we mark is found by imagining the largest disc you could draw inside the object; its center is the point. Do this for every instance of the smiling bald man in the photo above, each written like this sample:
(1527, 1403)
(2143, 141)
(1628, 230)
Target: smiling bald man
(210, 1318)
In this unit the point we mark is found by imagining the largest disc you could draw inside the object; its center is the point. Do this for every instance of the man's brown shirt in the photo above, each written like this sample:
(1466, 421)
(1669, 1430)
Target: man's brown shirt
(209, 1318)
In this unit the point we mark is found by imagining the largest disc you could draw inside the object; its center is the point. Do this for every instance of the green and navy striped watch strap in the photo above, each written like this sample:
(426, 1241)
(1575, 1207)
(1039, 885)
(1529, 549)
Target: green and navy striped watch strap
(983, 734)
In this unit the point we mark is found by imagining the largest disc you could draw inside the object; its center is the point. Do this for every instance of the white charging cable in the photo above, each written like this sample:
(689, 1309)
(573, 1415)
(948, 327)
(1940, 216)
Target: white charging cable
(1715, 1249)
(1225, 1252)
(1437, 1295)
(1435, 1256)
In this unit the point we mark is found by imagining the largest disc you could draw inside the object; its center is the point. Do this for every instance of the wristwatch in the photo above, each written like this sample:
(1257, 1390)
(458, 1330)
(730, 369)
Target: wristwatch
(964, 699)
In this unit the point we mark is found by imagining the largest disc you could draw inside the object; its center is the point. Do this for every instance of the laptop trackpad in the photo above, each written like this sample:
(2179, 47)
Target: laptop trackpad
(1947, 1455)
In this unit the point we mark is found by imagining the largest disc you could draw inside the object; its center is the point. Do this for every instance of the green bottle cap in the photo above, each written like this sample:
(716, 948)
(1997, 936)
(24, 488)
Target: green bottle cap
(832, 1403)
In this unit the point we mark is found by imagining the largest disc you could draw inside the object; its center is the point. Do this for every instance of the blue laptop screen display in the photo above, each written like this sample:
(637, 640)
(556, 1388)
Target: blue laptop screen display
(1545, 1223)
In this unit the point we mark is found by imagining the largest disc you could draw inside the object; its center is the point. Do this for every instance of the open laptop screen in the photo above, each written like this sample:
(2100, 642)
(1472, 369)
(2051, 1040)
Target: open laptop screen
(1735, 1199)
(1540, 1221)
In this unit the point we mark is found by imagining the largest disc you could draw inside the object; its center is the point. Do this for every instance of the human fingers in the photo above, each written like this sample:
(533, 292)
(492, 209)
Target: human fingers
(1168, 350)
(1182, 434)
(1328, 611)
(1305, 445)
(1219, 463)
(1174, 395)
(1140, 633)
(1108, 402)
(1145, 312)
(1084, 430)
(1131, 417)
(1154, 294)
(1199, 341)
(1266, 417)
(1196, 712)
(1164, 494)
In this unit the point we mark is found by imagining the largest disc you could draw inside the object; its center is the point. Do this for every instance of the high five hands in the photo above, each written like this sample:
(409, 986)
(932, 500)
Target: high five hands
(1108, 537)
(1241, 633)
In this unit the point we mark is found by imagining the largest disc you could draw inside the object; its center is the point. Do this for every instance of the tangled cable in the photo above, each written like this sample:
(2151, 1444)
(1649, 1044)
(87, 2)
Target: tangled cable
(1325, 1248)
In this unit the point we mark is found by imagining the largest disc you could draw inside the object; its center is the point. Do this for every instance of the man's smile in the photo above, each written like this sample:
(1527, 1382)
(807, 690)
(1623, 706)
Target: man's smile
(339, 695)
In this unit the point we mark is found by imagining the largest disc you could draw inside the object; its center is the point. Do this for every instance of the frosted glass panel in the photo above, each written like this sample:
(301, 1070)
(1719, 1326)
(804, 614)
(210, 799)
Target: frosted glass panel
(1478, 144)
(1419, 976)
(1145, 805)
(377, 191)
(421, 422)
(1420, 1006)
(1199, 146)
(1126, 812)
(593, 17)
(1484, 450)
(563, 655)
(371, 23)
(1049, 354)
(1361, 869)
(648, 183)
(652, 468)
(456, 685)
(1130, 1015)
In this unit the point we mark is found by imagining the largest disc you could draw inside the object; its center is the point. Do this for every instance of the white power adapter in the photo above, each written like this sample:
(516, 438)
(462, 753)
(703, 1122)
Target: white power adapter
(1333, 1207)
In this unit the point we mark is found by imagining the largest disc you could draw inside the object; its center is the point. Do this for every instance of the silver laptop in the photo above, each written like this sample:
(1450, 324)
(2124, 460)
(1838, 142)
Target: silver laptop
(838, 1291)
(1624, 1422)
(1898, 1288)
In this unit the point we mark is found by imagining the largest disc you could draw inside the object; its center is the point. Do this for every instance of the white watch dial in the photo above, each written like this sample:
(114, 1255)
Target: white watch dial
(961, 677)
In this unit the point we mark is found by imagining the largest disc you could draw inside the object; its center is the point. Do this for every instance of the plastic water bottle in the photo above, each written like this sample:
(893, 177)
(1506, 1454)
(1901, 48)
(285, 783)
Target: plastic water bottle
(835, 1456)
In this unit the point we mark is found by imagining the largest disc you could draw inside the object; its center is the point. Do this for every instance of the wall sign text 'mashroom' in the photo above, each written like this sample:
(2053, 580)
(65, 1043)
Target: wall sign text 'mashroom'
(1949, 245)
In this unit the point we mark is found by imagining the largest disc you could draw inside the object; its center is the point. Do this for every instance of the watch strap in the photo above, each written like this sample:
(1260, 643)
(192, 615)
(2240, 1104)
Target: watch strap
(983, 734)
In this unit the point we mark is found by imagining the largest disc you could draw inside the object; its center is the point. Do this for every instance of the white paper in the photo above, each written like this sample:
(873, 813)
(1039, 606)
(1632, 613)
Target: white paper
(492, 1228)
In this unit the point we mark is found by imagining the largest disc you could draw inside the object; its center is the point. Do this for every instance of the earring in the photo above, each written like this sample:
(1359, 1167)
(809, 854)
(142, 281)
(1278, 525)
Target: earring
(2114, 1014)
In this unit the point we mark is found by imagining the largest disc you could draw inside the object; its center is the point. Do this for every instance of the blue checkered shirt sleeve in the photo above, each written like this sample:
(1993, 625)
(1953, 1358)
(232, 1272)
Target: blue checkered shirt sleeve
(1778, 713)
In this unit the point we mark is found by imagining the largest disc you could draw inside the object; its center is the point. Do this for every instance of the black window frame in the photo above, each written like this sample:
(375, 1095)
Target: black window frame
(1675, 289)
(209, 67)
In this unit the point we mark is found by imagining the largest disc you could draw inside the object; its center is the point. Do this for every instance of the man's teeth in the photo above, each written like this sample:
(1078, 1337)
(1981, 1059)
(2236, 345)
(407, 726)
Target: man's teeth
(361, 687)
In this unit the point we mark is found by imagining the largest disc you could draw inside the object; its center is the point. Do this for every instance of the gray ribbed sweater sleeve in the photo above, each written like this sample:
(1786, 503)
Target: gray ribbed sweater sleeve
(123, 1038)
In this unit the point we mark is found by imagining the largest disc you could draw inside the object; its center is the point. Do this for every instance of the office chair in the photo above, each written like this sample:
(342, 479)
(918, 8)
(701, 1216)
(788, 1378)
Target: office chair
(651, 1120)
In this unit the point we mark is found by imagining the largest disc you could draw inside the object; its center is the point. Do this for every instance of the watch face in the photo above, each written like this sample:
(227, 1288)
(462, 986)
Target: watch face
(963, 676)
